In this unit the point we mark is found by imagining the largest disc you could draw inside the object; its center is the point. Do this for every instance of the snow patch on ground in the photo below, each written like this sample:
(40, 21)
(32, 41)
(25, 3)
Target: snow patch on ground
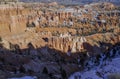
(102, 71)
(25, 77)
(112, 67)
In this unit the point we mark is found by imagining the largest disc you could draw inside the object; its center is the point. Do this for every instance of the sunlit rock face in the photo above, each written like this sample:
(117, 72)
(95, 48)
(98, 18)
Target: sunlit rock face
(80, 44)
(57, 28)
(92, 44)
(13, 19)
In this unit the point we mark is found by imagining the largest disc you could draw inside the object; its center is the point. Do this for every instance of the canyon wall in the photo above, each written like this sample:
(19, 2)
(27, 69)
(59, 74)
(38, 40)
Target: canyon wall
(93, 44)
(54, 29)
(13, 19)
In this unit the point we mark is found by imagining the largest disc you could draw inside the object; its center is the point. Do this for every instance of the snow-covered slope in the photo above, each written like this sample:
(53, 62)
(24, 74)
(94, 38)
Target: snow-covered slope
(25, 77)
(100, 73)
(108, 67)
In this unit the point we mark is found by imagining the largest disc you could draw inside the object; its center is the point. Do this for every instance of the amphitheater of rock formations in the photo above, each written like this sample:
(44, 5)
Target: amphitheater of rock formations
(93, 28)
(63, 26)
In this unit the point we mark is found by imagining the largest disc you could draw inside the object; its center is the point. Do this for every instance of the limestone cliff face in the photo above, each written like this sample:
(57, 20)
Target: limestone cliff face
(13, 19)
(91, 44)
